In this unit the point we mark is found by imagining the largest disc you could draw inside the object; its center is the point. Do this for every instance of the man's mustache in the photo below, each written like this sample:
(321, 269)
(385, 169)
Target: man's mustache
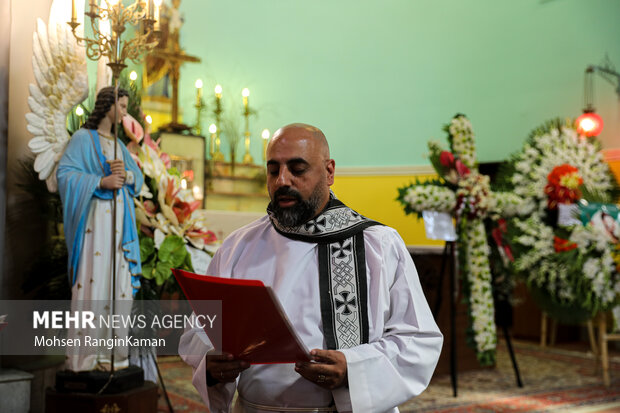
(287, 192)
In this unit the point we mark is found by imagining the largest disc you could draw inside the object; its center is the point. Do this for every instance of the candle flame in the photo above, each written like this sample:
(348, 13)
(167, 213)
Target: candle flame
(148, 119)
(198, 83)
(212, 128)
(265, 134)
(218, 89)
(245, 92)
(133, 75)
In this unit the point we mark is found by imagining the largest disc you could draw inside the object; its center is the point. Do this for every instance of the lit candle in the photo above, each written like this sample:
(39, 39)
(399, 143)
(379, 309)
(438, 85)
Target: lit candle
(156, 3)
(73, 11)
(212, 131)
(149, 122)
(118, 47)
(156, 19)
(104, 23)
(149, 9)
(133, 76)
(218, 91)
(265, 136)
(245, 93)
(198, 92)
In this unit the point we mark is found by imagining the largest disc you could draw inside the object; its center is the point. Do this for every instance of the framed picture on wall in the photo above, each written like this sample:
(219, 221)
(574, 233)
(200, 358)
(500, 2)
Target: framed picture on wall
(187, 153)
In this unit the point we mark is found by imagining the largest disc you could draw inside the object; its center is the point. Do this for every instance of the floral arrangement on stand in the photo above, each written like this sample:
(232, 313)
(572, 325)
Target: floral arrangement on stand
(173, 230)
(574, 262)
(466, 194)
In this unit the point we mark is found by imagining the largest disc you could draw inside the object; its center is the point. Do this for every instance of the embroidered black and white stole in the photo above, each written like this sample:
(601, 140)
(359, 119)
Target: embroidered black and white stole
(339, 233)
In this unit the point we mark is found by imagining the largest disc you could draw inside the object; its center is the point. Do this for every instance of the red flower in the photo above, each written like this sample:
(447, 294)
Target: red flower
(171, 192)
(183, 210)
(561, 245)
(446, 158)
(189, 174)
(563, 185)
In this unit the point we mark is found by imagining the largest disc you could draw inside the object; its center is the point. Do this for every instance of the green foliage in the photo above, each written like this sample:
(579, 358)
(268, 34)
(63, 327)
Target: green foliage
(157, 264)
(172, 251)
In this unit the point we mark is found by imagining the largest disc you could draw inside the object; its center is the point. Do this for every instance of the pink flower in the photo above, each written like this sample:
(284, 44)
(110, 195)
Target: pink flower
(150, 208)
(133, 129)
(150, 142)
(166, 159)
(461, 168)
(200, 236)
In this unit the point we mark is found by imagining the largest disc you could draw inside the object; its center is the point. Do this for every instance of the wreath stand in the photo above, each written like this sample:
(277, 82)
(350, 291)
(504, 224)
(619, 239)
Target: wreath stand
(503, 321)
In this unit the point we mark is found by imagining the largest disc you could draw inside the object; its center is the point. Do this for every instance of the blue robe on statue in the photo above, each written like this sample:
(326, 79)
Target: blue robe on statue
(80, 170)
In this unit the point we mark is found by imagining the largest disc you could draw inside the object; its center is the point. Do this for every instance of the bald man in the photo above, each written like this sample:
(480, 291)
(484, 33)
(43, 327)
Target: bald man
(348, 286)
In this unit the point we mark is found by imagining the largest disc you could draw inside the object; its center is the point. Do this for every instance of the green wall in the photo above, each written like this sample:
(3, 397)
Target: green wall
(382, 77)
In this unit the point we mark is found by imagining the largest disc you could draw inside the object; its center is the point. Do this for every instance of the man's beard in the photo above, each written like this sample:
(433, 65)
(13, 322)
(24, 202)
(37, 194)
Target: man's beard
(298, 214)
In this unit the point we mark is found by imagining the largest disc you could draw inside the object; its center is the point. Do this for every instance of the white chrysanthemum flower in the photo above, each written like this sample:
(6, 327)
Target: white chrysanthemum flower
(591, 268)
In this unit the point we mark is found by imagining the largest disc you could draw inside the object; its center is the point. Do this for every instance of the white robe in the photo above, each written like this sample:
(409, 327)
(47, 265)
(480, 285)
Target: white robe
(404, 341)
(93, 284)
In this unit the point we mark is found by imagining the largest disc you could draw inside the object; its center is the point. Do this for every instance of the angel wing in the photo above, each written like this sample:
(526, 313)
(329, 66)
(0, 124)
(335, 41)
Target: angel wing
(59, 65)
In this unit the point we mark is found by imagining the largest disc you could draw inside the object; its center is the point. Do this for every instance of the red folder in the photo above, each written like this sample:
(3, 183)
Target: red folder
(254, 325)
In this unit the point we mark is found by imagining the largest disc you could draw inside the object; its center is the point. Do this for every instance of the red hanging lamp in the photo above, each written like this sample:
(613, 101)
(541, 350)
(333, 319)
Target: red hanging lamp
(590, 123)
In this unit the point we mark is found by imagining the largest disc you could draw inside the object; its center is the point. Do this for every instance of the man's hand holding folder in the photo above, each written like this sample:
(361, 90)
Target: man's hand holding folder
(254, 327)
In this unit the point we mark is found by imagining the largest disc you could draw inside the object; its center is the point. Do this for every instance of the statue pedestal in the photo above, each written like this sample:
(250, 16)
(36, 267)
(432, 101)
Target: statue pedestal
(15, 391)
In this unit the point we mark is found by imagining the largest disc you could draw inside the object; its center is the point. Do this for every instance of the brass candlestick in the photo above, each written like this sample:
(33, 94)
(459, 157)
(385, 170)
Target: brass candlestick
(110, 44)
(247, 158)
(200, 105)
(265, 136)
(218, 155)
